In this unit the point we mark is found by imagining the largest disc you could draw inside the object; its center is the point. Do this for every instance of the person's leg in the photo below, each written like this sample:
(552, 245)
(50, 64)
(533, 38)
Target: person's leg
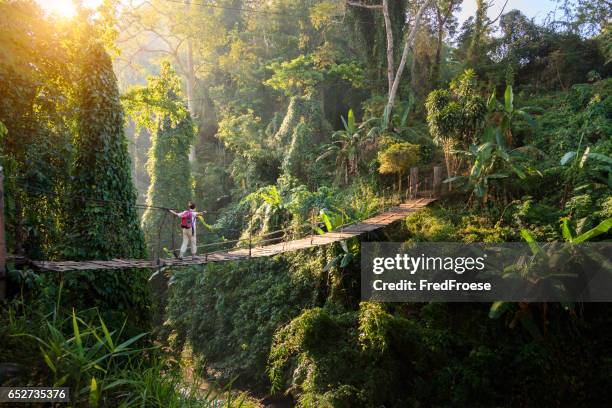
(194, 247)
(186, 235)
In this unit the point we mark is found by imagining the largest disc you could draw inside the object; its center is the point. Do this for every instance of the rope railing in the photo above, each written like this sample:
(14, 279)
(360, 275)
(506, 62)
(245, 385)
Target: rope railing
(254, 242)
(282, 235)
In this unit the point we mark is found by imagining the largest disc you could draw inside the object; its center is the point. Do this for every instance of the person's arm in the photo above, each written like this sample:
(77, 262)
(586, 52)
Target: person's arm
(175, 213)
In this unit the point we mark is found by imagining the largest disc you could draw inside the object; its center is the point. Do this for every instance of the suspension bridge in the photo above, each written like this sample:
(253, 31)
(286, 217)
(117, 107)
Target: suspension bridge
(266, 247)
(252, 251)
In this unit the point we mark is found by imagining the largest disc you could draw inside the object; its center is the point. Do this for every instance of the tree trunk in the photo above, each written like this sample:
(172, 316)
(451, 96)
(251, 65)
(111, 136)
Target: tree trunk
(390, 53)
(399, 183)
(402, 65)
(413, 69)
(437, 181)
(191, 83)
(436, 70)
(479, 25)
(447, 160)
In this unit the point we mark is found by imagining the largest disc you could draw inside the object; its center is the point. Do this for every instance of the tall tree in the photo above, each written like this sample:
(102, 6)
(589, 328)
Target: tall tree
(444, 21)
(102, 213)
(160, 108)
(188, 35)
(37, 108)
(102, 221)
(481, 26)
(394, 75)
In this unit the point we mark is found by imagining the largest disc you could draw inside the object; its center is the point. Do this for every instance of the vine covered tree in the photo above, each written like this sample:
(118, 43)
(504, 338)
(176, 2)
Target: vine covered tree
(104, 220)
(160, 108)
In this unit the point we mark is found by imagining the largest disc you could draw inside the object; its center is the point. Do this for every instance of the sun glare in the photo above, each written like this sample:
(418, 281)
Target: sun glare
(65, 8)
(61, 8)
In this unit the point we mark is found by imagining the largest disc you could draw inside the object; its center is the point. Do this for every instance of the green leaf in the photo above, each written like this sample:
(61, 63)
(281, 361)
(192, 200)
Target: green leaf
(453, 179)
(77, 333)
(565, 229)
(518, 171)
(326, 221)
(509, 99)
(497, 176)
(107, 335)
(48, 361)
(533, 245)
(61, 381)
(93, 393)
(498, 308)
(602, 228)
(351, 120)
(492, 101)
(499, 139)
(125, 344)
(332, 263)
(527, 117)
(600, 157)
(346, 259)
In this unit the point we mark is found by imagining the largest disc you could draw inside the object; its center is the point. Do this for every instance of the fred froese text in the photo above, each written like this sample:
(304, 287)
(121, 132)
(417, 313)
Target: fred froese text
(425, 285)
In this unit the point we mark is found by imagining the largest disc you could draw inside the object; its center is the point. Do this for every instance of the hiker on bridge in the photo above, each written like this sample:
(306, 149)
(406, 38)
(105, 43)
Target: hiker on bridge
(188, 225)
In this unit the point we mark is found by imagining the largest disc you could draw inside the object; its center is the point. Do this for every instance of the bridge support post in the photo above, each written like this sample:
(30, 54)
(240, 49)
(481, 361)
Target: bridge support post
(2, 240)
(414, 181)
(437, 181)
(250, 243)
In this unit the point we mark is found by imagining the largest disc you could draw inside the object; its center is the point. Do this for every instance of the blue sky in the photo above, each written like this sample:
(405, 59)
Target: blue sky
(531, 8)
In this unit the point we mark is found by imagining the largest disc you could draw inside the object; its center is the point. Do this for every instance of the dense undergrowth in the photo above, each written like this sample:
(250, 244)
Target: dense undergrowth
(316, 341)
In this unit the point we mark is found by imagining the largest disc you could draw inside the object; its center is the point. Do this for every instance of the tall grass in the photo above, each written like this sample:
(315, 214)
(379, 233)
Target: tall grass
(105, 368)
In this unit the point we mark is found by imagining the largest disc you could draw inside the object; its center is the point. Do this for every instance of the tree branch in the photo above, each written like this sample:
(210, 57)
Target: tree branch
(500, 14)
(363, 5)
(402, 65)
(390, 51)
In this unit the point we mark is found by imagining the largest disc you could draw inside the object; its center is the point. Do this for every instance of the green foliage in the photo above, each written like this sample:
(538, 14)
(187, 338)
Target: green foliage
(101, 170)
(229, 312)
(101, 365)
(559, 261)
(457, 113)
(494, 162)
(161, 99)
(255, 161)
(351, 146)
(269, 210)
(102, 219)
(266, 91)
(38, 110)
(87, 353)
(398, 158)
(304, 128)
(456, 116)
(304, 74)
(159, 108)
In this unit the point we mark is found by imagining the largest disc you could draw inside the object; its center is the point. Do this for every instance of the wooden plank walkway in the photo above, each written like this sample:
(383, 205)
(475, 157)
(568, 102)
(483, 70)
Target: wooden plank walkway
(371, 224)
